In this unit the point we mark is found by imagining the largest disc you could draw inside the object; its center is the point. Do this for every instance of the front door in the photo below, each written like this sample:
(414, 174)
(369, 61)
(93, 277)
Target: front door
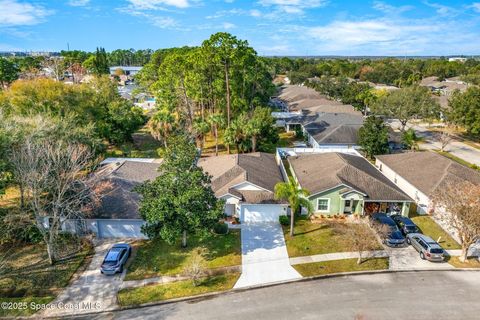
(348, 206)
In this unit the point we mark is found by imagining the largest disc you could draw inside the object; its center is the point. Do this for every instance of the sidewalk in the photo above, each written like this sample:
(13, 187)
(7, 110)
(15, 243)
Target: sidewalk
(338, 256)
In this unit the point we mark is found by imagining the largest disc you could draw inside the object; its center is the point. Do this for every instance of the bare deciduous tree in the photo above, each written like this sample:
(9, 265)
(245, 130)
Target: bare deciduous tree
(459, 204)
(445, 138)
(57, 188)
(56, 66)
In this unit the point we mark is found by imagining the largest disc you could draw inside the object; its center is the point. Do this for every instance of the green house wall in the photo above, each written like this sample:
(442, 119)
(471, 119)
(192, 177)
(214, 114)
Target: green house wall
(336, 202)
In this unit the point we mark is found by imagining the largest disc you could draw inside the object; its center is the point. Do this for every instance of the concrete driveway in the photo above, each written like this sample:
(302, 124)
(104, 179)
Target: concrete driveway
(408, 258)
(264, 255)
(92, 291)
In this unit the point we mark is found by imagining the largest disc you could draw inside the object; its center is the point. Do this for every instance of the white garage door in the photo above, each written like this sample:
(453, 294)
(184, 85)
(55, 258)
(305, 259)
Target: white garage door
(120, 229)
(261, 212)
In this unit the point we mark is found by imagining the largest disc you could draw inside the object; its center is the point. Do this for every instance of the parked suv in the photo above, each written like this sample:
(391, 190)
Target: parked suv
(405, 224)
(116, 258)
(395, 237)
(429, 249)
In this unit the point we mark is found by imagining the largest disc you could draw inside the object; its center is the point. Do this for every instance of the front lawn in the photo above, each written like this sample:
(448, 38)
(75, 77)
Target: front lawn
(185, 288)
(311, 238)
(10, 311)
(470, 263)
(157, 258)
(430, 228)
(27, 276)
(27, 271)
(344, 265)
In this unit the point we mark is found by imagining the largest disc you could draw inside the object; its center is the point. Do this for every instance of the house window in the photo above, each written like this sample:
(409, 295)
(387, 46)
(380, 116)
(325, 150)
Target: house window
(347, 203)
(323, 205)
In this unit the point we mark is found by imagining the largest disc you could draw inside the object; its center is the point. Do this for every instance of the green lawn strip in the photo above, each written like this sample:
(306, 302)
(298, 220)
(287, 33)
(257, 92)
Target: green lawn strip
(430, 228)
(13, 310)
(344, 265)
(156, 258)
(311, 238)
(457, 159)
(185, 288)
(470, 263)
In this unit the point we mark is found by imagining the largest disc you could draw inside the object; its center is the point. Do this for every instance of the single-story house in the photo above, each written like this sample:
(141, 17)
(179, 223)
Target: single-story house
(328, 130)
(341, 183)
(247, 183)
(419, 174)
(117, 215)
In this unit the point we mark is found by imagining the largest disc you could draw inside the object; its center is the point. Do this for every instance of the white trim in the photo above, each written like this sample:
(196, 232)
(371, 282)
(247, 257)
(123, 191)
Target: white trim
(328, 205)
(229, 194)
(342, 184)
(253, 184)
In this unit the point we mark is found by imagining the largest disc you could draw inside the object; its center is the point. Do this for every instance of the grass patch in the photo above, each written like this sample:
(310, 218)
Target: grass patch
(24, 312)
(27, 271)
(470, 263)
(311, 238)
(11, 198)
(135, 296)
(143, 145)
(344, 265)
(156, 257)
(430, 228)
(457, 159)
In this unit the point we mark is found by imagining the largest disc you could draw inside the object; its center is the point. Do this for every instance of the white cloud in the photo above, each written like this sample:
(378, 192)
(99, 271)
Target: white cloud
(156, 4)
(293, 6)
(163, 22)
(443, 10)
(255, 13)
(389, 9)
(228, 26)
(14, 13)
(475, 6)
(78, 3)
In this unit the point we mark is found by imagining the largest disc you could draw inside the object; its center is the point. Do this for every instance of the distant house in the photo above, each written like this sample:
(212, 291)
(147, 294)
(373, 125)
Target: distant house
(128, 70)
(341, 183)
(247, 183)
(457, 59)
(326, 123)
(419, 174)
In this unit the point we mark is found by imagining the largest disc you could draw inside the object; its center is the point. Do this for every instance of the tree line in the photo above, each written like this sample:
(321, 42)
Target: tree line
(222, 87)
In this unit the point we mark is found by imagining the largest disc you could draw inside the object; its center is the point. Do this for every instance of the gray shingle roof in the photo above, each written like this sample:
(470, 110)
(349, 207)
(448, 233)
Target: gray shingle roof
(118, 201)
(428, 170)
(335, 128)
(320, 172)
(258, 168)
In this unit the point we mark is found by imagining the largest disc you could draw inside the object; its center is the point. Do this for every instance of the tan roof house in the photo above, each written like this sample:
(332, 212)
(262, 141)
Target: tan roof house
(247, 183)
(419, 174)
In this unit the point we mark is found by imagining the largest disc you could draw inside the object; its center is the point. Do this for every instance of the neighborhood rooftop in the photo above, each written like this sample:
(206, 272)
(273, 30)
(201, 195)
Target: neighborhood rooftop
(428, 170)
(118, 201)
(324, 171)
(259, 169)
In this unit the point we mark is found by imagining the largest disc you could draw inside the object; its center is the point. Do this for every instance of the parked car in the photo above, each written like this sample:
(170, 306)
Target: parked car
(428, 248)
(395, 237)
(405, 224)
(116, 258)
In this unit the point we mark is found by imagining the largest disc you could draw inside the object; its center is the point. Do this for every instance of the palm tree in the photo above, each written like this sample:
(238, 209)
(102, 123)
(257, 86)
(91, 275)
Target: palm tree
(217, 121)
(161, 125)
(411, 139)
(296, 197)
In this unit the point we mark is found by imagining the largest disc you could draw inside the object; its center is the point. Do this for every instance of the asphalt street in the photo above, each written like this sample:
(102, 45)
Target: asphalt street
(405, 295)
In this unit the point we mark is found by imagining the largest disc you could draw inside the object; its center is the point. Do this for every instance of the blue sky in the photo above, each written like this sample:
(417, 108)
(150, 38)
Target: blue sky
(273, 27)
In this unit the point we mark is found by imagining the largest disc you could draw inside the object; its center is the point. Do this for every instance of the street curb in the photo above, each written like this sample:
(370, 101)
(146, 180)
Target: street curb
(211, 295)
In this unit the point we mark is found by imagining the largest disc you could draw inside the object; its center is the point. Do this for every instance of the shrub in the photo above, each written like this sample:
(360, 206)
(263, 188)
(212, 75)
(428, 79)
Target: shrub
(284, 221)
(220, 228)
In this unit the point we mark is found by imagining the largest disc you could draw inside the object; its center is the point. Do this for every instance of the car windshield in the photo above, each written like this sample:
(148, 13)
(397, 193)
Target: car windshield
(436, 250)
(411, 228)
(112, 255)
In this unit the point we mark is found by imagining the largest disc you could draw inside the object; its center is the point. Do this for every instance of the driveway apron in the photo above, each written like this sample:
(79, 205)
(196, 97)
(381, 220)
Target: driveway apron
(264, 255)
(92, 291)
